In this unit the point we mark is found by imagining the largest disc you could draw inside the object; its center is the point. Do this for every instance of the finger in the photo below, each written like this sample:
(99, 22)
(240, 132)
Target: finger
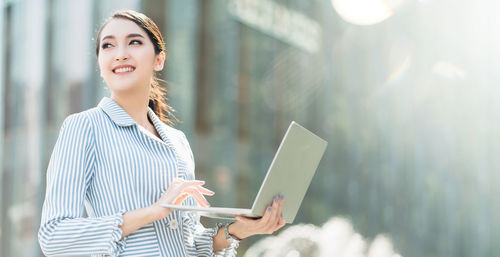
(245, 219)
(198, 197)
(194, 191)
(205, 191)
(190, 183)
(182, 186)
(272, 225)
(280, 206)
(180, 198)
(247, 222)
(273, 220)
(281, 223)
(187, 183)
(265, 219)
(279, 212)
(200, 189)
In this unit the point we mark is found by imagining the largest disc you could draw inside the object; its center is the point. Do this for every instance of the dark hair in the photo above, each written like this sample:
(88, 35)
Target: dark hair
(157, 95)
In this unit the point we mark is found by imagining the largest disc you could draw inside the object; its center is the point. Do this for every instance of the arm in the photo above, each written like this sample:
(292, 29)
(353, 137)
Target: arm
(63, 230)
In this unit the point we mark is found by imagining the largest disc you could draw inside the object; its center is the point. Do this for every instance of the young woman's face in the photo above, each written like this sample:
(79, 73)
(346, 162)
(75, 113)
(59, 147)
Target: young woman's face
(126, 57)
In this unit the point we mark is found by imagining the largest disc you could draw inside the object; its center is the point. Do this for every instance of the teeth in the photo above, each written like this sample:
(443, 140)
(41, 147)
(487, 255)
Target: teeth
(126, 69)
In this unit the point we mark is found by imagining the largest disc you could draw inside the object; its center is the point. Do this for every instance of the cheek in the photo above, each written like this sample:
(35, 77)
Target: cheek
(101, 61)
(147, 56)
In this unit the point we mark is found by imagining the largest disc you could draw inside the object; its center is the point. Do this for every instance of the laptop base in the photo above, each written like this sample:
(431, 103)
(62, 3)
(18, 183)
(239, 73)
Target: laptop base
(213, 212)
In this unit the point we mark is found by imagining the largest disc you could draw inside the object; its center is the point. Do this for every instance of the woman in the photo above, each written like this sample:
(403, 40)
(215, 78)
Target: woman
(121, 161)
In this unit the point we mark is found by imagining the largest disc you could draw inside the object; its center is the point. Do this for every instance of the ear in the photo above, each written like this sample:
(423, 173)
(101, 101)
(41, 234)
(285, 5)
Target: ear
(159, 61)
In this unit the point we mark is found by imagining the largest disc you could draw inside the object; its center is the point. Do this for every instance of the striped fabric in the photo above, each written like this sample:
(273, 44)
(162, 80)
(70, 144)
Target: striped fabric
(105, 162)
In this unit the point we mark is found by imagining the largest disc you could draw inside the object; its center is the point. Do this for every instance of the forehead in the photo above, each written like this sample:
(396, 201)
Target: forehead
(121, 28)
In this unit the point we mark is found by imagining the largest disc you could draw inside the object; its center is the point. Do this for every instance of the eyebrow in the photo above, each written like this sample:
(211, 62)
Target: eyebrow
(128, 36)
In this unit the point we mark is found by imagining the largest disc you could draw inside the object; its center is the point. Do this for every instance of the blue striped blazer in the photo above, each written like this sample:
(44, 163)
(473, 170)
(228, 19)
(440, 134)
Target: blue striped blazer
(107, 164)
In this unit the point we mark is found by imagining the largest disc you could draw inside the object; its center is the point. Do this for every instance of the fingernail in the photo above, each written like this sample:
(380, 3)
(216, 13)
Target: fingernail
(282, 197)
(269, 208)
(276, 199)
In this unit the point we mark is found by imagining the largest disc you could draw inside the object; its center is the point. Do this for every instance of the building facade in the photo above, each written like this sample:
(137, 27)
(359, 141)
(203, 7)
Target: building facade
(407, 105)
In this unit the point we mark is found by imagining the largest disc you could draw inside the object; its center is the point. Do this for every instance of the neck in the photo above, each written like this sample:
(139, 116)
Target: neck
(136, 105)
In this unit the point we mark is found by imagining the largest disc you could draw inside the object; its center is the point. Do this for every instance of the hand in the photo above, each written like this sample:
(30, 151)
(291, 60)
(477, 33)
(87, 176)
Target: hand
(270, 222)
(178, 191)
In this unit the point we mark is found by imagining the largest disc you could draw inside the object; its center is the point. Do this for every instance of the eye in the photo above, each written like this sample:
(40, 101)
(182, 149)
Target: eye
(106, 45)
(135, 42)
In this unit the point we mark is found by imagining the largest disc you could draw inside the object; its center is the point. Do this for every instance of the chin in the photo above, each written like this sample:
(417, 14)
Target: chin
(123, 87)
(120, 87)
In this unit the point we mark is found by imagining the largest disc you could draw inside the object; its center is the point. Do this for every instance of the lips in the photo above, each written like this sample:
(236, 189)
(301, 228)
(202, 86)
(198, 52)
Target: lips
(123, 69)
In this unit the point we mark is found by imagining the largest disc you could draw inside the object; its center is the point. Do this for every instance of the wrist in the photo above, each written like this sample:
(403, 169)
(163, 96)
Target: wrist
(158, 212)
(234, 230)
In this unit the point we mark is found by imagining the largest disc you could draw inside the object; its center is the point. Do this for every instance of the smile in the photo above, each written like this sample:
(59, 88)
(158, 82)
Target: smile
(123, 69)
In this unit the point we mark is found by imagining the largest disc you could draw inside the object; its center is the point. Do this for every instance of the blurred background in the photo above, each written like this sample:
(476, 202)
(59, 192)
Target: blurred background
(405, 92)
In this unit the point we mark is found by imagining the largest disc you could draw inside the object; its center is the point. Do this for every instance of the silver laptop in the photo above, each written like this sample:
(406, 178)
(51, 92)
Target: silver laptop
(290, 174)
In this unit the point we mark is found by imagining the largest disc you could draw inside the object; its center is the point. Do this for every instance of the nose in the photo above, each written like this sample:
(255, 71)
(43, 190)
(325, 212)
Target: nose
(121, 54)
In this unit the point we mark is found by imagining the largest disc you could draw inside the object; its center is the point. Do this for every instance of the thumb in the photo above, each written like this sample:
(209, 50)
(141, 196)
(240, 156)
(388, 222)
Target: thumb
(242, 219)
(180, 199)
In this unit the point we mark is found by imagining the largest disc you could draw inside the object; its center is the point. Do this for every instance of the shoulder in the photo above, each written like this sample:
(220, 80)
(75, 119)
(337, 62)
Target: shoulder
(76, 131)
(84, 117)
(80, 122)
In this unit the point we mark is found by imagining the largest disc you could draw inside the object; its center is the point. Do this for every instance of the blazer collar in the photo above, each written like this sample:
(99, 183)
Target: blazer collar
(121, 118)
(117, 114)
(161, 127)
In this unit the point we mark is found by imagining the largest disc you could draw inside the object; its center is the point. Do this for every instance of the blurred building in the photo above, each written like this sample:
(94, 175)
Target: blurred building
(407, 104)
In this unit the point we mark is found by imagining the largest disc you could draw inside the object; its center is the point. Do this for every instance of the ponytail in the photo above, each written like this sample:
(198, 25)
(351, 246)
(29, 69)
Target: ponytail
(158, 103)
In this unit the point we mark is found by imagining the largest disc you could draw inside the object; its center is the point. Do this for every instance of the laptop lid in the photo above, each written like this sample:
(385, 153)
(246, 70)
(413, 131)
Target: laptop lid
(291, 171)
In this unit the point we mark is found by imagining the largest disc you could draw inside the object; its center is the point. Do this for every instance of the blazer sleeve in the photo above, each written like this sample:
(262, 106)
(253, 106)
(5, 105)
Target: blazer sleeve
(199, 241)
(63, 229)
